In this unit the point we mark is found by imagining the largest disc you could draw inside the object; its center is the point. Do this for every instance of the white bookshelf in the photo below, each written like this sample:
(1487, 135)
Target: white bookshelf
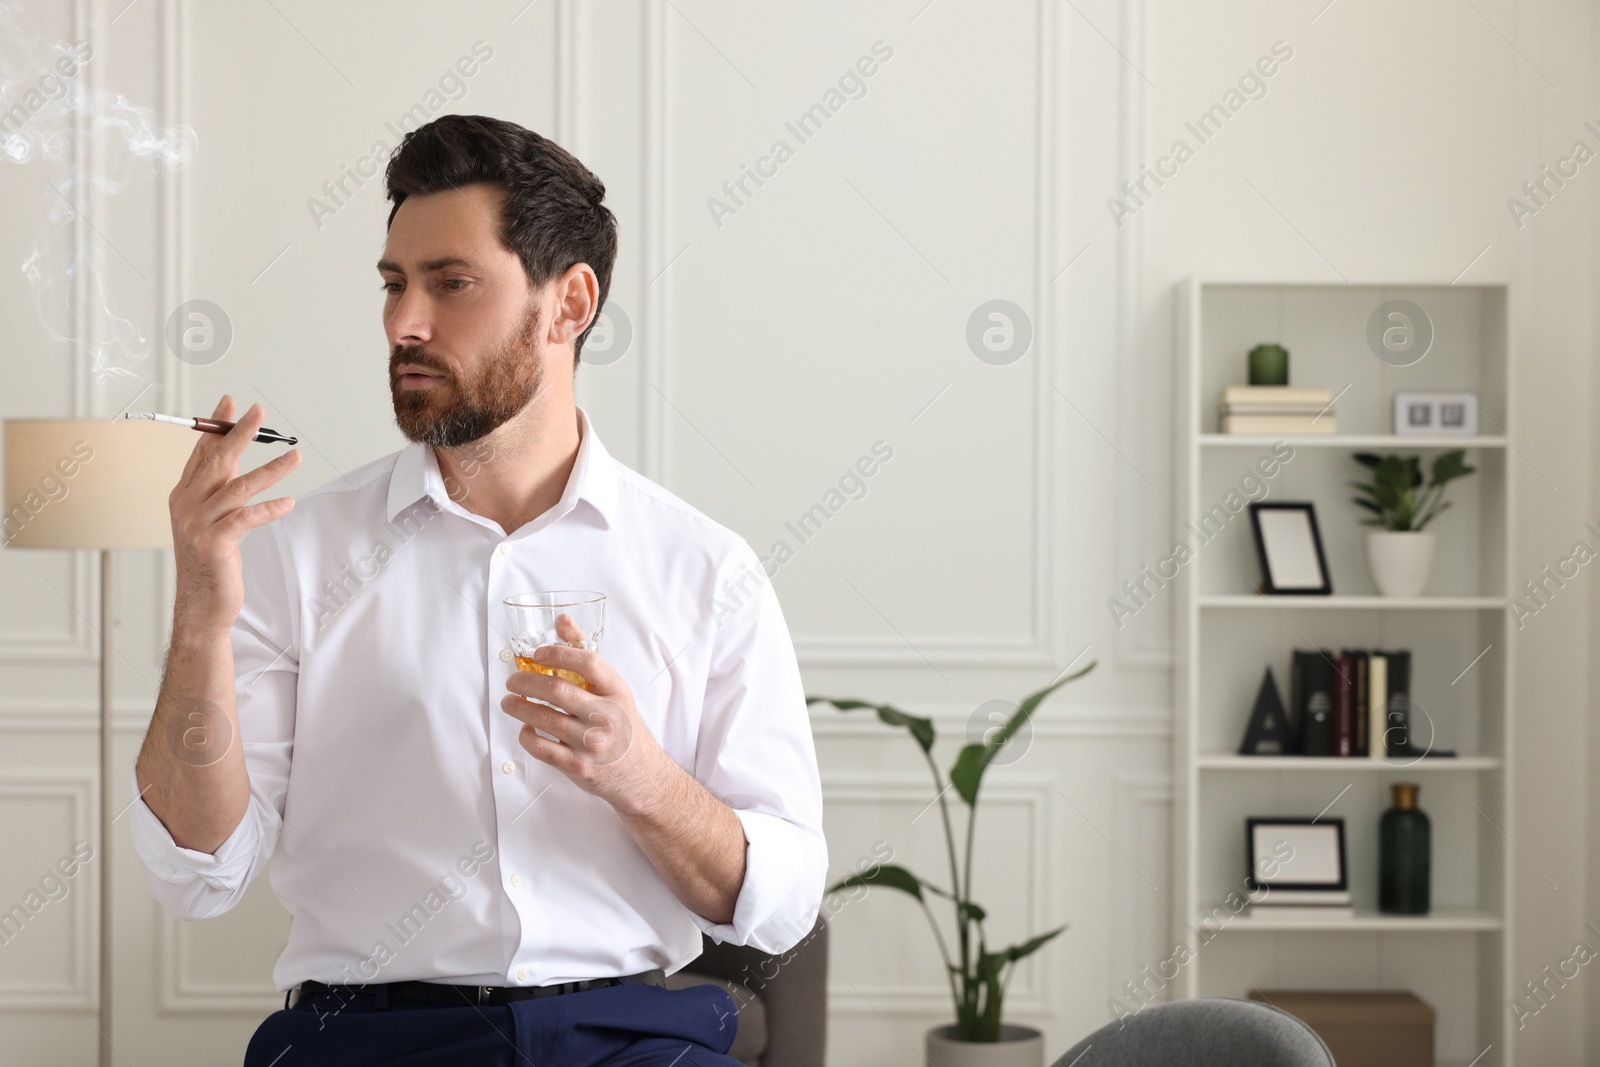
(1457, 957)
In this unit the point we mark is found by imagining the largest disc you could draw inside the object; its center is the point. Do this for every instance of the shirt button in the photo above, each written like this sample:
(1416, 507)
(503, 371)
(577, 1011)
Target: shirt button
(522, 974)
(505, 548)
(505, 655)
(508, 767)
(516, 879)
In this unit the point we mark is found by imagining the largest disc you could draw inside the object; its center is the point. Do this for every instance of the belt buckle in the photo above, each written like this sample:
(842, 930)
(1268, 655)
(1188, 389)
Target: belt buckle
(482, 994)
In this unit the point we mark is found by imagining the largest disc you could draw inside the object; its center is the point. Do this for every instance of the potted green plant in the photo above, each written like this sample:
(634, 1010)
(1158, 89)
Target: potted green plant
(977, 974)
(1402, 502)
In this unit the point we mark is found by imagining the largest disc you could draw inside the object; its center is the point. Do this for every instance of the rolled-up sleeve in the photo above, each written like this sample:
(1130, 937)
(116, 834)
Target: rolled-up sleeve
(756, 752)
(198, 885)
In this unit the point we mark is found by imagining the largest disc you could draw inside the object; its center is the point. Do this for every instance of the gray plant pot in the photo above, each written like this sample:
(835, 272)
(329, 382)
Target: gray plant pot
(1019, 1046)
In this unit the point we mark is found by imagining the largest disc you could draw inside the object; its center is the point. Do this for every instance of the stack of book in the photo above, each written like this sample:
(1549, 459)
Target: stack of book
(1309, 905)
(1355, 703)
(1277, 409)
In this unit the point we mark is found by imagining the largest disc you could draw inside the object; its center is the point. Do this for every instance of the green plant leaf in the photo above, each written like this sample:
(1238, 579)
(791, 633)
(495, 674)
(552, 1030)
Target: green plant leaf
(1448, 466)
(891, 875)
(987, 971)
(920, 728)
(967, 772)
(1397, 495)
(1028, 947)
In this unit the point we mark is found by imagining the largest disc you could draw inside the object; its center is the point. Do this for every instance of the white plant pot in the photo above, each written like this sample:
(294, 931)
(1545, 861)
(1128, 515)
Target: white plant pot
(1400, 560)
(1019, 1046)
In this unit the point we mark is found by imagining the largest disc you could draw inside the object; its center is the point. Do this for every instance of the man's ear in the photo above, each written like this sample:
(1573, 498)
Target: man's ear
(577, 302)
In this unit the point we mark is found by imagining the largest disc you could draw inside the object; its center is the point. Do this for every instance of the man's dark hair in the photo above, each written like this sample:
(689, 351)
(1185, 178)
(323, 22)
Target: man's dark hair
(552, 218)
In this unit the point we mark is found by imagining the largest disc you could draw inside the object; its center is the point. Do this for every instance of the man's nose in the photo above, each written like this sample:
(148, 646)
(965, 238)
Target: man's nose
(410, 320)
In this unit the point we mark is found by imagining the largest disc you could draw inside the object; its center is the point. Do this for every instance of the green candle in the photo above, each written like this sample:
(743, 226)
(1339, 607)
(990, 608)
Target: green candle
(1269, 365)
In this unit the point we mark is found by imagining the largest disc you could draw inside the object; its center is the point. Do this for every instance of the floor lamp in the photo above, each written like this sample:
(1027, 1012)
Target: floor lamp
(89, 483)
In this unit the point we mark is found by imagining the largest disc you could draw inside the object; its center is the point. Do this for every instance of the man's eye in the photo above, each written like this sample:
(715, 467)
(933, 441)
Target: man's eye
(388, 287)
(456, 284)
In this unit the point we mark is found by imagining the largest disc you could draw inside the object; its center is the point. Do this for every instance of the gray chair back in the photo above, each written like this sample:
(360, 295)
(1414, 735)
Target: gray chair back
(793, 992)
(1208, 1032)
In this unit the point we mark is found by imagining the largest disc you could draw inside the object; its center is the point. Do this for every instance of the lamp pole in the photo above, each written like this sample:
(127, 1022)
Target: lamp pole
(106, 788)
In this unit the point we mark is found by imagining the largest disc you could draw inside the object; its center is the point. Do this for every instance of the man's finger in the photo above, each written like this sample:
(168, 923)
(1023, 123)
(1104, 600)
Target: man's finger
(236, 440)
(565, 695)
(248, 518)
(202, 448)
(262, 478)
(602, 676)
(567, 728)
(220, 464)
(548, 752)
(568, 631)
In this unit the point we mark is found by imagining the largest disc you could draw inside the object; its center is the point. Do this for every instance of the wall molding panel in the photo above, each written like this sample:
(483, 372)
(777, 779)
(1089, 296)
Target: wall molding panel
(78, 788)
(1038, 649)
(180, 994)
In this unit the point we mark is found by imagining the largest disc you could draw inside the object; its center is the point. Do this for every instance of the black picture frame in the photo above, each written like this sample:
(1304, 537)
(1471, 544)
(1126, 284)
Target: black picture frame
(1250, 841)
(1281, 582)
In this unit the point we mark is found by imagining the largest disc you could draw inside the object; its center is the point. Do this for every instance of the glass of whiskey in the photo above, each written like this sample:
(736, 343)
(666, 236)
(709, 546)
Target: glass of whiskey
(575, 617)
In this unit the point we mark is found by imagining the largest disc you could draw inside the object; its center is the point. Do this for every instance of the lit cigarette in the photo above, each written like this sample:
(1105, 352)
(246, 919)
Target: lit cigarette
(212, 426)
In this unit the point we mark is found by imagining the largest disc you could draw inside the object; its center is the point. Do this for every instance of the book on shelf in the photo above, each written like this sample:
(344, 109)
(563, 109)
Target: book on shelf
(1344, 706)
(1377, 703)
(1360, 697)
(1285, 409)
(1282, 898)
(1311, 701)
(1397, 705)
(1315, 396)
(1312, 423)
(1300, 913)
(1354, 704)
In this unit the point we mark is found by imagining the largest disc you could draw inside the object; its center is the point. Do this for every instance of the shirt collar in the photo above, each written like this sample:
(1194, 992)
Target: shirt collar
(593, 479)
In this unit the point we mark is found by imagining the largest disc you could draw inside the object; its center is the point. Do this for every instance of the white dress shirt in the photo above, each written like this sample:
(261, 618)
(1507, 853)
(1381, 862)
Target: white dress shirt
(411, 836)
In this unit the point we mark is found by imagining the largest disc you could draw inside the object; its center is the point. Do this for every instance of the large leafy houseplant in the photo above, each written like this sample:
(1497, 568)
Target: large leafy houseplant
(1397, 497)
(977, 975)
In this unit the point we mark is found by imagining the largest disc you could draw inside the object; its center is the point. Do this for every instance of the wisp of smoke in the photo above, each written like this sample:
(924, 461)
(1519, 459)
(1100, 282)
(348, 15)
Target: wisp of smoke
(44, 105)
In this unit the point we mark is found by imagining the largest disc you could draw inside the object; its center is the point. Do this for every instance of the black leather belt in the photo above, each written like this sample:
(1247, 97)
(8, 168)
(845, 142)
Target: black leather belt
(458, 995)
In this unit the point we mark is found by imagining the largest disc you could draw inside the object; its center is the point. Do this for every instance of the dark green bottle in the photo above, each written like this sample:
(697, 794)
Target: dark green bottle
(1405, 848)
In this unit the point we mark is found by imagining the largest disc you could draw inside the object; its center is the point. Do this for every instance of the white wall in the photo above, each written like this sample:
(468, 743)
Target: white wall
(825, 314)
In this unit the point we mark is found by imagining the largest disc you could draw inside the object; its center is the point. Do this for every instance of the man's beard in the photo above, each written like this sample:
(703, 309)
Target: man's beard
(451, 413)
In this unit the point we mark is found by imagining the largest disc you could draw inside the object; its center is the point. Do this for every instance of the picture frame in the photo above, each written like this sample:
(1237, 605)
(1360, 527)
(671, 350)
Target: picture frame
(1317, 861)
(1289, 546)
(1442, 414)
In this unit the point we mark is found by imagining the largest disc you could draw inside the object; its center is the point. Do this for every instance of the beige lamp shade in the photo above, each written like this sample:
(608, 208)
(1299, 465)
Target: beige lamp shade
(91, 483)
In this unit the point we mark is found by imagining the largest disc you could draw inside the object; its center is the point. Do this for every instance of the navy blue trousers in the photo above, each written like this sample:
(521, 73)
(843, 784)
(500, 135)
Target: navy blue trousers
(620, 1026)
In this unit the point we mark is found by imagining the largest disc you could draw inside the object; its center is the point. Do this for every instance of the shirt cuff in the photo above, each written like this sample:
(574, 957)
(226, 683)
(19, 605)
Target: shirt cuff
(171, 862)
(782, 890)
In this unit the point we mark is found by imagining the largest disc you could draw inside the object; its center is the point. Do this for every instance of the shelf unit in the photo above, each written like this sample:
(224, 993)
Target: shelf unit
(1458, 957)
